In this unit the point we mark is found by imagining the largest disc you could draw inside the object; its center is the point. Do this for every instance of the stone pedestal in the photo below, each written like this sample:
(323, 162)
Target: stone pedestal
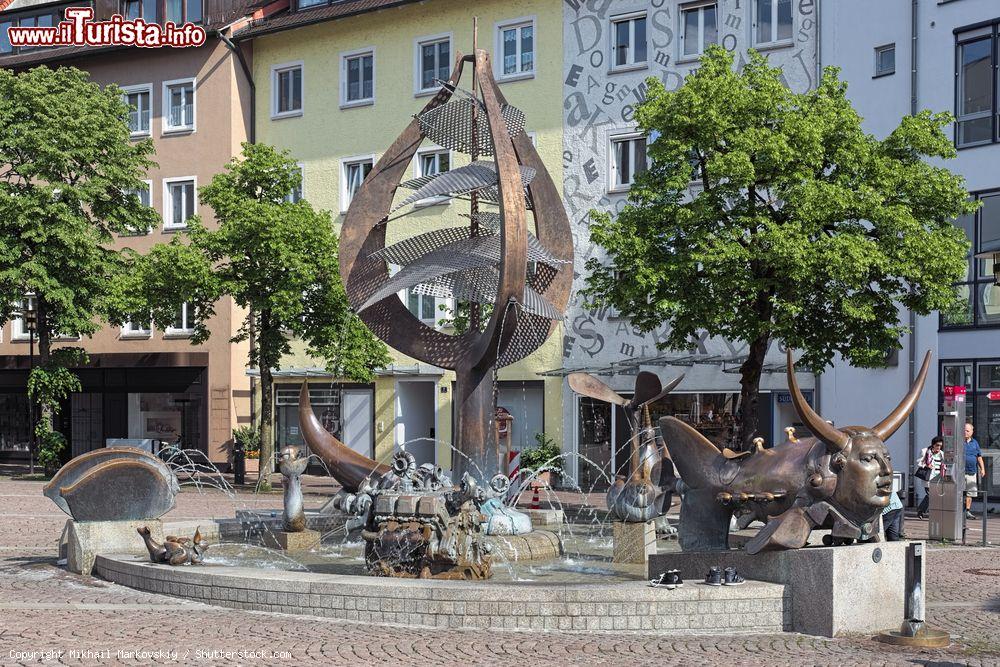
(634, 542)
(301, 541)
(545, 518)
(834, 591)
(85, 539)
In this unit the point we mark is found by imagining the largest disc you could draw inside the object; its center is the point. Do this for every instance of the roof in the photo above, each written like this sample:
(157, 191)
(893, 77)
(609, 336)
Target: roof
(40, 56)
(287, 19)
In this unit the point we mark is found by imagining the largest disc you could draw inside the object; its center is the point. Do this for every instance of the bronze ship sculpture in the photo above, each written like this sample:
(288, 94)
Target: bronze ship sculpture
(645, 493)
(839, 479)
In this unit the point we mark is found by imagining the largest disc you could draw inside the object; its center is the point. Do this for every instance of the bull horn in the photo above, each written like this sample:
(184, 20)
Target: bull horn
(888, 426)
(346, 465)
(835, 439)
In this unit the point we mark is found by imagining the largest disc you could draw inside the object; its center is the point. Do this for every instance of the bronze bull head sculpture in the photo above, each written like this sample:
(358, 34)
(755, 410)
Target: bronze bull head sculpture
(839, 479)
(641, 495)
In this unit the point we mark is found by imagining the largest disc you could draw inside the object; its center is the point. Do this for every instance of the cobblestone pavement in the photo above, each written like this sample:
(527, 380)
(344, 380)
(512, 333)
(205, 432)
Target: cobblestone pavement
(50, 616)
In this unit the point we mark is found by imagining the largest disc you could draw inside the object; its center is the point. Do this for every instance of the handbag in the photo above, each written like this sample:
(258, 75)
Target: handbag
(923, 473)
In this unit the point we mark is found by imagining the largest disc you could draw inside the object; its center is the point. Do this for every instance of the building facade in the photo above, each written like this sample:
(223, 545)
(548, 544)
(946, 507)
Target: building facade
(142, 383)
(902, 58)
(337, 83)
(611, 48)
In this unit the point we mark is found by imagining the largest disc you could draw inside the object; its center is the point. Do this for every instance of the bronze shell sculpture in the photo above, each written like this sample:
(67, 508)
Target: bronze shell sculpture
(485, 264)
(839, 479)
(114, 484)
(646, 492)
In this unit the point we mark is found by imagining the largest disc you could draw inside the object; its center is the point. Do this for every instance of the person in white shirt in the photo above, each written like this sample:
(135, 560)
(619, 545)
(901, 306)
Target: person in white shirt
(930, 459)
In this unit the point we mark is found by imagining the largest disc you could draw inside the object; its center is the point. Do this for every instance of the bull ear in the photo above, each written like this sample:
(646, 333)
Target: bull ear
(835, 439)
(890, 424)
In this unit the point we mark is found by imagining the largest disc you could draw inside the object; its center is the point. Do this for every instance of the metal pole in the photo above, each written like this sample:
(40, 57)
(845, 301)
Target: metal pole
(986, 496)
(31, 405)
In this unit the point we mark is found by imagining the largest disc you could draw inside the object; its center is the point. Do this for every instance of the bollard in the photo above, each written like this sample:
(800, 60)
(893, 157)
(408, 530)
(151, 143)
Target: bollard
(239, 464)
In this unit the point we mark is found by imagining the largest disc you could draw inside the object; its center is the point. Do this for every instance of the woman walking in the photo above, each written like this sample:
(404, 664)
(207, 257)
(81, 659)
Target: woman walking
(928, 468)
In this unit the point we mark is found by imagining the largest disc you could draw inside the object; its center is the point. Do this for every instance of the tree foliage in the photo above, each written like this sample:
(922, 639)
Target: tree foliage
(768, 215)
(278, 261)
(67, 166)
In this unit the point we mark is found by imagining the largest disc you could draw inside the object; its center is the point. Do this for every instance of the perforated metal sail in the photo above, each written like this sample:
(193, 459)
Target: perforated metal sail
(410, 250)
(480, 286)
(450, 125)
(474, 177)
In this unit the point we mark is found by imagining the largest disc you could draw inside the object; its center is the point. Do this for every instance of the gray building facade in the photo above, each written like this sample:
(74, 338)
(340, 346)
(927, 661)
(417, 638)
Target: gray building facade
(900, 56)
(611, 47)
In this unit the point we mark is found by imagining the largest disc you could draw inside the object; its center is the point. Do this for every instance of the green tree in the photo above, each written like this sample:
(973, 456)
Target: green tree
(276, 259)
(769, 215)
(67, 168)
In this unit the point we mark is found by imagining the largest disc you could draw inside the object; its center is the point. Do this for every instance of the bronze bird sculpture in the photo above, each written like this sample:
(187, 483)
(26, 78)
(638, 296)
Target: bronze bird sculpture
(839, 479)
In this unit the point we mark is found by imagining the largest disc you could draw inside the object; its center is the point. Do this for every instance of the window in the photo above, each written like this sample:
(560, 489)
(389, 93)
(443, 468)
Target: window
(628, 159)
(184, 320)
(178, 202)
(138, 99)
(516, 49)
(430, 162)
(885, 60)
(980, 297)
(423, 307)
(306, 4)
(44, 19)
(178, 105)
(138, 328)
(976, 85)
(286, 90)
(699, 28)
(433, 60)
(5, 46)
(144, 196)
(979, 377)
(18, 329)
(628, 42)
(357, 78)
(176, 11)
(772, 21)
(353, 173)
(295, 196)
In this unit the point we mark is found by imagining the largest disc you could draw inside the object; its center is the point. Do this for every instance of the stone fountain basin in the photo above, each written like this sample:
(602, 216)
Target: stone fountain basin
(755, 607)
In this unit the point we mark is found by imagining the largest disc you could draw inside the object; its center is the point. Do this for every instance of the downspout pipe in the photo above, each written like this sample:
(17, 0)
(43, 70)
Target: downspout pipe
(252, 134)
(252, 138)
(911, 425)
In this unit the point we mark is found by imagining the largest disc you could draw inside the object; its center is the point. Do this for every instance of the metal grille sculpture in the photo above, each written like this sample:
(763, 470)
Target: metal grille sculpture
(486, 264)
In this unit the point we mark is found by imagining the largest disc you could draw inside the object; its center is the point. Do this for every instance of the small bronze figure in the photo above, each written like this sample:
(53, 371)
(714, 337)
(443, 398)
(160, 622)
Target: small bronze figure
(638, 496)
(840, 479)
(293, 463)
(175, 550)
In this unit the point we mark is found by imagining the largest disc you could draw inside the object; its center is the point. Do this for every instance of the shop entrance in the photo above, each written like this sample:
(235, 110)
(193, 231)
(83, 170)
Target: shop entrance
(416, 419)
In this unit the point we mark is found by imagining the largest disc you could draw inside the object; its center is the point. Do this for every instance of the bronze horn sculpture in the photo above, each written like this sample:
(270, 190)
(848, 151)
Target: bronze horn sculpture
(839, 479)
(485, 264)
(346, 465)
(640, 495)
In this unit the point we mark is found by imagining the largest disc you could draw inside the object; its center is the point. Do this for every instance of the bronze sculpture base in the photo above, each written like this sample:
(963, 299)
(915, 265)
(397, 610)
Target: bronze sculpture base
(302, 540)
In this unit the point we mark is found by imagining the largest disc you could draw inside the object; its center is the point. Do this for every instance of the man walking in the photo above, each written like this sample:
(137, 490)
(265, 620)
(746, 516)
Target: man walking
(973, 464)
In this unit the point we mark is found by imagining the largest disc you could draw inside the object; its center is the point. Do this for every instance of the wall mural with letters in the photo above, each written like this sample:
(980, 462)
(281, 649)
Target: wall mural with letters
(610, 48)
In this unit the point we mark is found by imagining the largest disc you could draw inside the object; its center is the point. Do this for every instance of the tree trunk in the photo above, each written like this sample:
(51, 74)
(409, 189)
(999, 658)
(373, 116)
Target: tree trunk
(266, 403)
(44, 351)
(266, 428)
(750, 371)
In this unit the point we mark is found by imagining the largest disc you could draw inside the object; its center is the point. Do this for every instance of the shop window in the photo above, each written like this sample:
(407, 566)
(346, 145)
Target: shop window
(978, 295)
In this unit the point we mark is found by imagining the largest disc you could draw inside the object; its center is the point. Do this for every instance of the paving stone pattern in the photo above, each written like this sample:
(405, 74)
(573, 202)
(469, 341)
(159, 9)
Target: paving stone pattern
(44, 609)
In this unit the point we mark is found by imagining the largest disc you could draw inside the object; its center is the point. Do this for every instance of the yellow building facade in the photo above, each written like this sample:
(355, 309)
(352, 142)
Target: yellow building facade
(336, 94)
